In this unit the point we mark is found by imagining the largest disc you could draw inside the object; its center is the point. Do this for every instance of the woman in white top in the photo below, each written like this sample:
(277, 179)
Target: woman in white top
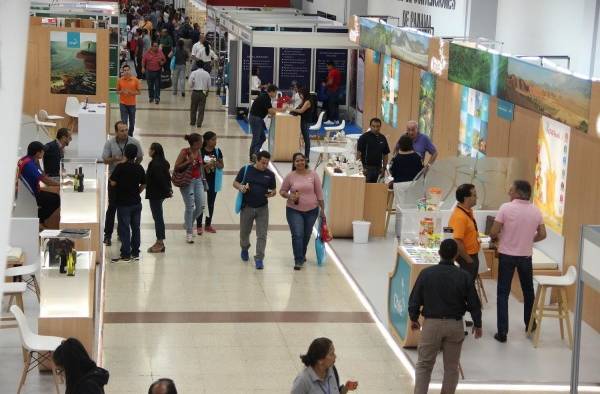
(203, 51)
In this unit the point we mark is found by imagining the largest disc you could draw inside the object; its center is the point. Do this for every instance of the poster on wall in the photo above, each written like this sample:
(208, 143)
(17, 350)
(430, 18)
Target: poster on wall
(375, 35)
(426, 102)
(412, 47)
(551, 171)
(473, 129)
(390, 85)
(72, 63)
(339, 57)
(263, 60)
(477, 69)
(560, 96)
(294, 67)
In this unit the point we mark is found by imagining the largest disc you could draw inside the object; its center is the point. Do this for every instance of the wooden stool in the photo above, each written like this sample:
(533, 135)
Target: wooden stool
(480, 289)
(561, 311)
(390, 210)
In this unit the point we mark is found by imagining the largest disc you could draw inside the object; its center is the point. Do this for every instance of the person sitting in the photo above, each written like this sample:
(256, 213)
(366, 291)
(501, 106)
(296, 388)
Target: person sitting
(54, 152)
(406, 164)
(82, 375)
(30, 173)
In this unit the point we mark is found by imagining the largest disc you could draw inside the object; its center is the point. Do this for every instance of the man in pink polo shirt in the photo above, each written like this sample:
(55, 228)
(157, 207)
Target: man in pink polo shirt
(517, 226)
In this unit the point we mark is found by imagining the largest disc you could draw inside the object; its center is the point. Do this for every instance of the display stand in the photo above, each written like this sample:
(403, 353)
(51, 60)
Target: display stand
(376, 195)
(284, 137)
(92, 130)
(344, 201)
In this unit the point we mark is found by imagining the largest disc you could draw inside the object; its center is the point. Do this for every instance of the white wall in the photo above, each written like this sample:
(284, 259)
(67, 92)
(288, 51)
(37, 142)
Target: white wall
(13, 50)
(334, 7)
(549, 27)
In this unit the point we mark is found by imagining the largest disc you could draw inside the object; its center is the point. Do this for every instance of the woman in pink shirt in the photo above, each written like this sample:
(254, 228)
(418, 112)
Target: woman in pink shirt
(302, 189)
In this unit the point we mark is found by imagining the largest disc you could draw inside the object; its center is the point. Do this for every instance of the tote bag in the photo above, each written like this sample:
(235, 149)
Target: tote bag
(240, 196)
(182, 178)
(218, 176)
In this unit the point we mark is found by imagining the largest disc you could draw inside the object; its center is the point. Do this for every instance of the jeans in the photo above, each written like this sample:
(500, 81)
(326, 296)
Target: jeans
(306, 137)
(128, 116)
(333, 110)
(301, 225)
(179, 78)
(153, 79)
(111, 210)
(193, 198)
(372, 174)
(248, 216)
(129, 229)
(156, 206)
(506, 270)
(197, 107)
(211, 195)
(257, 126)
(472, 269)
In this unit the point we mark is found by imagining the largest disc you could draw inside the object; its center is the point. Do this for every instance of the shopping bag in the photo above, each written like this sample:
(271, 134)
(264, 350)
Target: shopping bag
(324, 230)
(218, 177)
(239, 199)
(172, 63)
(320, 250)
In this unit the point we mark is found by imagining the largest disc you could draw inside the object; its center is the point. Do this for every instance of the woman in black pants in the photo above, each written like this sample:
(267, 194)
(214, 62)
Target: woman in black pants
(305, 110)
(213, 161)
(158, 187)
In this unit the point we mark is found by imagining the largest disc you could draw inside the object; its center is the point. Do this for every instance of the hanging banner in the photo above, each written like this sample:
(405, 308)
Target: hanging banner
(390, 86)
(339, 57)
(477, 69)
(73, 63)
(294, 67)
(426, 103)
(263, 60)
(473, 130)
(551, 172)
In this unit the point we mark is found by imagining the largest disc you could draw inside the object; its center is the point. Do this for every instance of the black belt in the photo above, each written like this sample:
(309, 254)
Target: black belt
(444, 317)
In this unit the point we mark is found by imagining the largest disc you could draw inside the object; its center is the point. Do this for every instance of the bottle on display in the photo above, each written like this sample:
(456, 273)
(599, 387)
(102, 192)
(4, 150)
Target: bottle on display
(71, 258)
(80, 181)
(76, 181)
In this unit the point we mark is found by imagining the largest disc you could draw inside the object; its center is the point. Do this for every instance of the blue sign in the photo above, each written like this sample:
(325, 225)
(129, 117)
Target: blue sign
(73, 39)
(294, 66)
(376, 57)
(398, 296)
(339, 57)
(505, 110)
(263, 59)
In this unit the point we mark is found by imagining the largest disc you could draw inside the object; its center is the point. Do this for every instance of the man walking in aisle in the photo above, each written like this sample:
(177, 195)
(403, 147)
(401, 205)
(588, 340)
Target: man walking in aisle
(113, 154)
(166, 44)
(517, 226)
(257, 183)
(445, 293)
(199, 85)
(128, 87)
(152, 63)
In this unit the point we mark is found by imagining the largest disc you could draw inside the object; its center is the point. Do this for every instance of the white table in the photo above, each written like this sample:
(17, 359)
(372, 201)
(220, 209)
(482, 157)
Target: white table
(92, 131)
(327, 150)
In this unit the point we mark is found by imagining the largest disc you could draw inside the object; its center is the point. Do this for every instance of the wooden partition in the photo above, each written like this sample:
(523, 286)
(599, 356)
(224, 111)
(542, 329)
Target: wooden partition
(372, 89)
(37, 94)
(446, 117)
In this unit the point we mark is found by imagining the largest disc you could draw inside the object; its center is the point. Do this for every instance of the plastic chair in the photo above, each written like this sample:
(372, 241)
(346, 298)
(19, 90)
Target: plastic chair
(560, 312)
(317, 126)
(42, 124)
(37, 349)
(27, 273)
(72, 106)
(14, 290)
(334, 129)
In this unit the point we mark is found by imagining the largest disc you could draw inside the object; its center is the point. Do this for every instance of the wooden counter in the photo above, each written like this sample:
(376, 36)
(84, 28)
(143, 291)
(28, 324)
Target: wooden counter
(284, 137)
(376, 199)
(344, 198)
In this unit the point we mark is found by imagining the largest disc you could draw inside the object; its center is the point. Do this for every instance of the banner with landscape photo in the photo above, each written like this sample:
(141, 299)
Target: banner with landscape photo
(376, 36)
(390, 85)
(426, 102)
(72, 63)
(477, 69)
(560, 96)
(412, 47)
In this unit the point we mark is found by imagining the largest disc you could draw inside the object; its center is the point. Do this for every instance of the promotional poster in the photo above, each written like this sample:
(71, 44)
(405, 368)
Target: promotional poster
(426, 102)
(72, 63)
(389, 90)
(551, 171)
(473, 130)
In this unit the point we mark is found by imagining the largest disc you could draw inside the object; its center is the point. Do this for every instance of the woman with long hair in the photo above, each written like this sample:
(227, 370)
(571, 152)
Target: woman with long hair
(302, 189)
(82, 375)
(213, 161)
(320, 374)
(305, 110)
(190, 161)
(158, 187)
(181, 58)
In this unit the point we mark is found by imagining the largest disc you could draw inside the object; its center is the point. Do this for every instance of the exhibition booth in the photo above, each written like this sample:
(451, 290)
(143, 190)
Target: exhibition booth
(494, 118)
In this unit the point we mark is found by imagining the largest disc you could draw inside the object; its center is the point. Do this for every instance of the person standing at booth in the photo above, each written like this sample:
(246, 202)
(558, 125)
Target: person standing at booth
(333, 83)
(305, 109)
(54, 151)
(372, 150)
(261, 107)
(152, 63)
(518, 224)
(199, 85)
(128, 87)
(113, 154)
(421, 143)
(442, 294)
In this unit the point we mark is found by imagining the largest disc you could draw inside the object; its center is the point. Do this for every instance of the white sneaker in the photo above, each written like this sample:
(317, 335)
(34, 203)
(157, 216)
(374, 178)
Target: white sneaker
(189, 238)
(329, 123)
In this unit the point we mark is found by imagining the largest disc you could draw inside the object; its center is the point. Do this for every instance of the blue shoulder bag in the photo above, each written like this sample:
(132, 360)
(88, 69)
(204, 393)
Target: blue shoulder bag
(240, 196)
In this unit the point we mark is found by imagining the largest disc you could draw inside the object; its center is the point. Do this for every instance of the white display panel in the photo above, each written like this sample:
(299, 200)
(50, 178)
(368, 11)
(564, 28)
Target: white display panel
(590, 264)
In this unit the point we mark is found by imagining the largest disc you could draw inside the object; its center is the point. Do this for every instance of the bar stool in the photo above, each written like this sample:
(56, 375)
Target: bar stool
(561, 312)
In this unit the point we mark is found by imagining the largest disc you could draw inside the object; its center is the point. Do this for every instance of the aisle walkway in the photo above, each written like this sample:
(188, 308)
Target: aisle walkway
(201, 316)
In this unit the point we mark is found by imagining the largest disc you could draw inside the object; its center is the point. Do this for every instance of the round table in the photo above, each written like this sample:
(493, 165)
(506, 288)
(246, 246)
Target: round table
(326, 150)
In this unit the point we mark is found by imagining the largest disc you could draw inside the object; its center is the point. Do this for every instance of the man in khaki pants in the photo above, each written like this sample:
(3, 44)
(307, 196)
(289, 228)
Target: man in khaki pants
(445, 292)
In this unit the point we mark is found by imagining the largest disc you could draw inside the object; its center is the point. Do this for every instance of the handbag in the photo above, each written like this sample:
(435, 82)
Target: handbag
(182, 178)
(218, 176)
(324, 232)
(240, 196)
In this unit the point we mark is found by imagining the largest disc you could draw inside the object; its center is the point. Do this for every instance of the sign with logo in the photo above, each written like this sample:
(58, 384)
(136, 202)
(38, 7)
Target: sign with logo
(505, 110)
(73, 39)
(399, 293)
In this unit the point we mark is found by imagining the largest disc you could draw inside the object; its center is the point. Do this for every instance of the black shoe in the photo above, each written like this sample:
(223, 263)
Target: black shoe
(121, 259)
(157, 101)
(135, 258)
(500, 337)
(297, 267)
(182, 94)
(466, 333)
(469, 323)
(107, 240)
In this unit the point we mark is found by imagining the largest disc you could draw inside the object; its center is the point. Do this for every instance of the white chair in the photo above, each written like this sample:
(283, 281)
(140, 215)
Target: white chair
(37, 349)
(27, 274)
(14, 291)
(560, 312)
(334, 129)
(72, 107)
(317, 126)
(42, 124)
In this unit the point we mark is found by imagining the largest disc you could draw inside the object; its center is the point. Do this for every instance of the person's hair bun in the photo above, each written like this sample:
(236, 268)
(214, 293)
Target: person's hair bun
(306, 360)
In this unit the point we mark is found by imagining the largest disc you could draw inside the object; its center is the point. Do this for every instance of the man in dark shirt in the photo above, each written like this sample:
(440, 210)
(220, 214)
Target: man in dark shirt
(372, 150)
(445, 292)
(261, 107)
(129, 180)
(54, 152)
(257, 183)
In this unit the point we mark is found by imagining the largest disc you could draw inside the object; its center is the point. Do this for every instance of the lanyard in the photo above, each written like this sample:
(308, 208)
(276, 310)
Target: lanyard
(470, 217)
(123, 148)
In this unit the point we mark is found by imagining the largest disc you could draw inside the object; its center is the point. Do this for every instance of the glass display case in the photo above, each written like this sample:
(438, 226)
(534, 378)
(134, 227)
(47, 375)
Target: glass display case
(63, 249)
(79, 191)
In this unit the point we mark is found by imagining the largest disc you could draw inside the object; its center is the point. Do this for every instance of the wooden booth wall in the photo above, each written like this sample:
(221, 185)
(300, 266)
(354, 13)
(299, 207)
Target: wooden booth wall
(37, 94)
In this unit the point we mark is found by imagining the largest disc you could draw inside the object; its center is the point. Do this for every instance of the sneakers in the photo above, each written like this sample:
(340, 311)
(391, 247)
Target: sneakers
(199, 230)
(189, 238)
(107, 240)
(244, 255)
(121, 259)
(135, 258)
(329, 123)
(210, 229)
(259, 264)
(157, 101)
(297, 267)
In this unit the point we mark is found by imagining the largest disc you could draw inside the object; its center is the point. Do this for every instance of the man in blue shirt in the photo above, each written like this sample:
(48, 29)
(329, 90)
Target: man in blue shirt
(421, 143)
(31, 175)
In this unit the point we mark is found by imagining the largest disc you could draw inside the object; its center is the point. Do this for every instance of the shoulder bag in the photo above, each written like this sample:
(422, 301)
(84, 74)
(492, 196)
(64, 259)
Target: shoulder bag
(182, 178)
(240, 196)
(218, 175)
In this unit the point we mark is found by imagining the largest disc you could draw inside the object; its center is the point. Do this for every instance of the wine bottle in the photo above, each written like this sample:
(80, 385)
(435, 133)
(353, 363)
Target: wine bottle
(76, 181)
(80, 182)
